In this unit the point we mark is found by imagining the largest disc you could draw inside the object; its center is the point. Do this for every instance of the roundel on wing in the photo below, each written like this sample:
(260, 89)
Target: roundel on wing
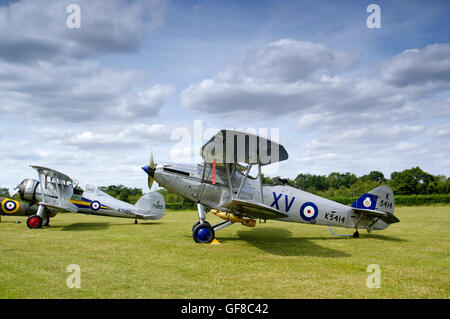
(10, 206)
(309, 211)
(95, 205)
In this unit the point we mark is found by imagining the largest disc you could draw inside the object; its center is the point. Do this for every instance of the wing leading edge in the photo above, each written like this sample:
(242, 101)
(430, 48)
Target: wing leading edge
(253, 209)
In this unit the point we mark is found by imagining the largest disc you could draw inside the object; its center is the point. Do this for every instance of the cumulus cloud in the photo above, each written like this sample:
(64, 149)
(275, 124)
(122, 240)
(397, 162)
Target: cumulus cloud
(287, 60)
(290, 76)
(427, 66)
(311, 82)
(112, 137)
(78, 91)
(49, 72)
(36, 29)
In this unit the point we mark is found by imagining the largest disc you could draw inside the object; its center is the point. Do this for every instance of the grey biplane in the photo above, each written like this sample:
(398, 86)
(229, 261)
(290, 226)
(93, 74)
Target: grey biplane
(222, 185)
(55, 191)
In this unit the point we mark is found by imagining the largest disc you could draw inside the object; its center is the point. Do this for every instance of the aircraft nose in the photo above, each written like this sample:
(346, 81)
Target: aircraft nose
(150, 171)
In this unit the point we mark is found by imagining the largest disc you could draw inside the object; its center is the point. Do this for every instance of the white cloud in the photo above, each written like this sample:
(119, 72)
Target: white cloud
(109, 138)
(47, 71)
(427, 66)
(36, 30)
(78, 91)
(287, 60)
(289, 76)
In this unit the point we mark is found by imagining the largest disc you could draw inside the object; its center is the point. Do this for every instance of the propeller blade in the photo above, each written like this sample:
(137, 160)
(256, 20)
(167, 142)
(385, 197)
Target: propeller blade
(150, 182)
(152, 163)
(152, 167)
(150, 170)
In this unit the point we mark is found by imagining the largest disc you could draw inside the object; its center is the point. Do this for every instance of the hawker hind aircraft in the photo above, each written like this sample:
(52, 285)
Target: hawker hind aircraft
(54, 191)
(222, 185)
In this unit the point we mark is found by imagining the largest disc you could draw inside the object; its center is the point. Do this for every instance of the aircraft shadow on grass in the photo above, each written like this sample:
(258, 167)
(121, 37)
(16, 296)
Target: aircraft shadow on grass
(99, 226)
(85, 226)
(278, 241)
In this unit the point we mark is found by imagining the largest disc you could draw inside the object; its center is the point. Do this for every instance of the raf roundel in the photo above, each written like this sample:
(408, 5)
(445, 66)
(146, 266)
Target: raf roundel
(10, 206)
(367, 202)
(95, 205)
(309, 211)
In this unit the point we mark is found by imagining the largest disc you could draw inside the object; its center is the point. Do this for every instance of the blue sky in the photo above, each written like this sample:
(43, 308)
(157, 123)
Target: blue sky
(92, 102)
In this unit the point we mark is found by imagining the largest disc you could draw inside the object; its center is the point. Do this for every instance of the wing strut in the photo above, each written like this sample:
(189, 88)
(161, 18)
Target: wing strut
(58, 189)
(41, 187)
(260, 181)
(229, 182)
(244, 179)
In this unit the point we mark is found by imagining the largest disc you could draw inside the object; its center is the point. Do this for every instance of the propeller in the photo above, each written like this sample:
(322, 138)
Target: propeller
(150, 170)
(16, 191)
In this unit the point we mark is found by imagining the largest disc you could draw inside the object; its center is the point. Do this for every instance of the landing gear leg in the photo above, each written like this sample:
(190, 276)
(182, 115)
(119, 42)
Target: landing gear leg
(356, 233)
(201, 213)
(202, 231)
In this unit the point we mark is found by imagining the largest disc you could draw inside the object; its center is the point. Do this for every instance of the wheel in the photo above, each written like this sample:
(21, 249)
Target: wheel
(198, 223)
(203, 233)
(356, 234)
(34, 222)
(46, 221)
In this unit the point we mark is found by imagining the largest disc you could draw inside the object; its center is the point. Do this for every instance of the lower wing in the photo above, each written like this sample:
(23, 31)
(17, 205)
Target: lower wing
(253, 209)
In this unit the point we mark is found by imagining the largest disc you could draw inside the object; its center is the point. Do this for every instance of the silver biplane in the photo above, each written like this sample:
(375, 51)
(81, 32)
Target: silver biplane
(222, 185)
(54, 191)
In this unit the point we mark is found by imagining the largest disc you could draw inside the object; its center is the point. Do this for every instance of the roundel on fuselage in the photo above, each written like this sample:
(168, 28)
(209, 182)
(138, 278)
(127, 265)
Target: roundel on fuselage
(10, 206)
(309, 211)
(95, 205)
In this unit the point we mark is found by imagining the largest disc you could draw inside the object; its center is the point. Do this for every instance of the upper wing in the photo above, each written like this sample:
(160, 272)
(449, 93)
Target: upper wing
(52, 173)
(229, 146)
(55, 188)
(254, 209)
(388, 218)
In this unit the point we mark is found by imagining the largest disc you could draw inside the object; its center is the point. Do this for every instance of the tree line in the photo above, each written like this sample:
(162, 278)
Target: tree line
(413, 181)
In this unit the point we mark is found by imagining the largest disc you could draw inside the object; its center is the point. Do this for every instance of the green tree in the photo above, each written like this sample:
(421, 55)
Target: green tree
(311, 182)
(4, 192)
(412, 181)
(375, 176)
(336, 179)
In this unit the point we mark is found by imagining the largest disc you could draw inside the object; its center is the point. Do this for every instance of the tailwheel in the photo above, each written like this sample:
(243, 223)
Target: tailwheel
(356, 234)
(34, 222)
(203, 233)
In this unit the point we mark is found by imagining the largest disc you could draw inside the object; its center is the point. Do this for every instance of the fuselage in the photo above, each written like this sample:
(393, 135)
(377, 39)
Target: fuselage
(195, 184)
(85, 199)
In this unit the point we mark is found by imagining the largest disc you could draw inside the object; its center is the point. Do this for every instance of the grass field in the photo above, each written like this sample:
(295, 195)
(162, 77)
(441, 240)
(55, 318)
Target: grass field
(275, 260)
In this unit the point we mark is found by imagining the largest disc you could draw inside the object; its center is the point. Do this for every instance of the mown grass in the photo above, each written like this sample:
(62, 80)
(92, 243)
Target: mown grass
(275, 260)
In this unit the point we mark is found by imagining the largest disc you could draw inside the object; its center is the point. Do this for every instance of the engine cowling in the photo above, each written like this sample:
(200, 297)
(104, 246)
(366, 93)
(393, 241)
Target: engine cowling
(27, 189)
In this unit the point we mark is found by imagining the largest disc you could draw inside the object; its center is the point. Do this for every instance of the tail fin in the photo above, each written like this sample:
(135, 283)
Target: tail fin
(151, 206)
(378, 204)
(380, 199)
